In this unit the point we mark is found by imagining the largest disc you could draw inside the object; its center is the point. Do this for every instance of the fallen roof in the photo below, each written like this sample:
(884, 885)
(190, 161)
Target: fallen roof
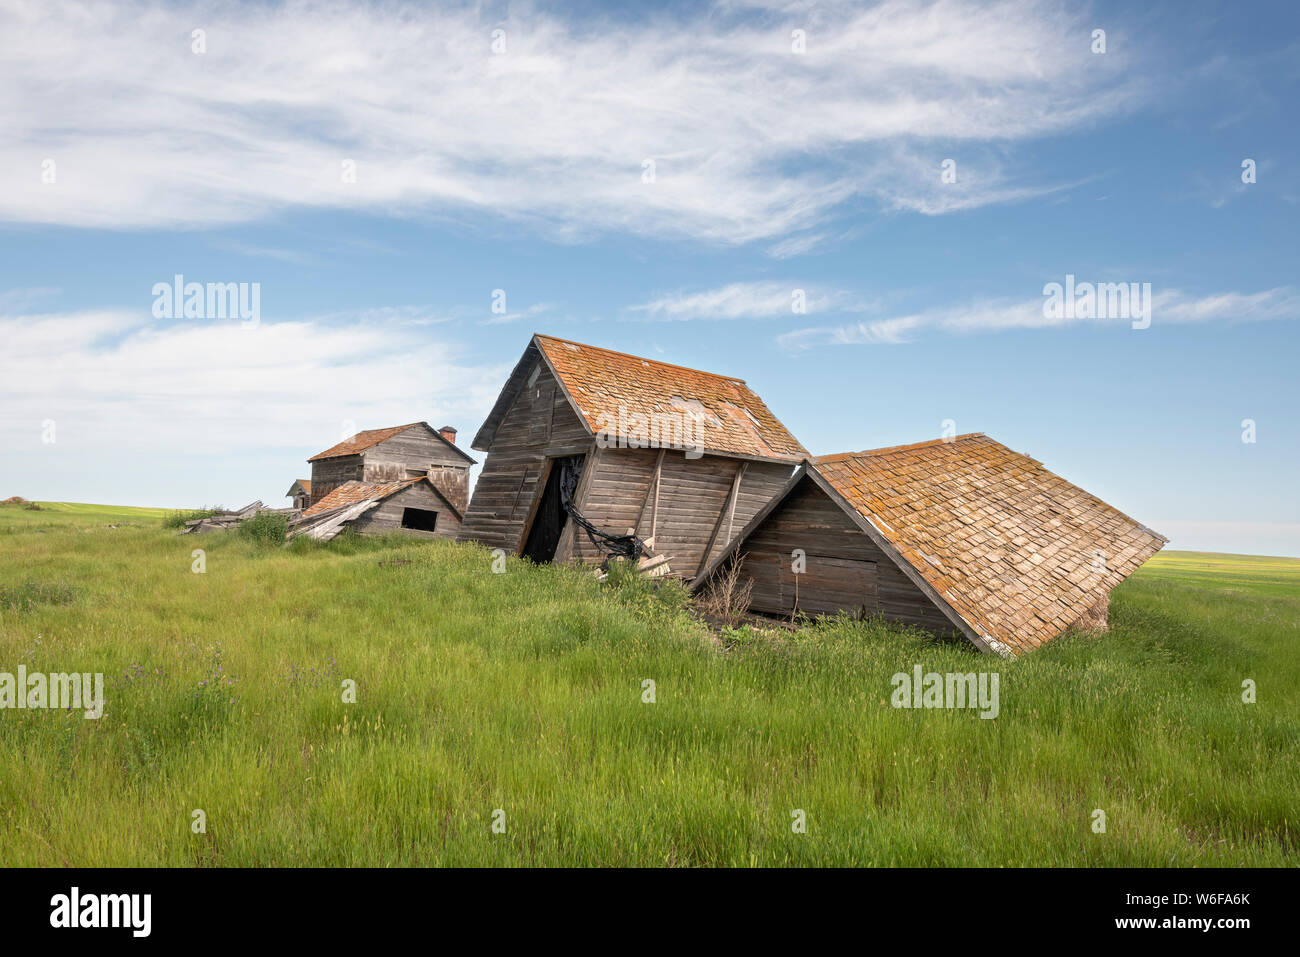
(1019, 553)
(353, 493)
(372, 437)
(606, 387)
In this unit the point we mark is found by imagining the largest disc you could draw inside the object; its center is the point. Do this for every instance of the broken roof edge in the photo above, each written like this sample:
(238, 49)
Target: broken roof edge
(381, 490)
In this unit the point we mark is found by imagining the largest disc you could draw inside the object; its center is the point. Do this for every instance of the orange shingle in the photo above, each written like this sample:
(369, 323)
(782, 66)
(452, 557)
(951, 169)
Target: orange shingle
(1017, 551)
(362, 441)
(731, 417)
(352, 493)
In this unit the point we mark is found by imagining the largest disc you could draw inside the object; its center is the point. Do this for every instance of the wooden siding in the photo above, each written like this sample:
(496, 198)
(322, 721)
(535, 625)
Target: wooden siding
(540, 424)
(845, 570)
(681, 513)
(417, 449)
(387, 515)
(618, 490)
(329, 474)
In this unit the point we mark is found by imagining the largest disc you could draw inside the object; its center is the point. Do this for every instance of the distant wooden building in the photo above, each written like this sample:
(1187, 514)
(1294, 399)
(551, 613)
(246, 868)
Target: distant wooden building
(670, 455)
(959, 535)
(300, 492)
(383, 456)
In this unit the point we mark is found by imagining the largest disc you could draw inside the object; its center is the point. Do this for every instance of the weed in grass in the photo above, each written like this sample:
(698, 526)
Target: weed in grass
(31, 594)
(265, 528)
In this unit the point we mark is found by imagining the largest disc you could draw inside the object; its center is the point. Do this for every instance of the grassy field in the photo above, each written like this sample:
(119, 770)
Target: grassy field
(522, 692)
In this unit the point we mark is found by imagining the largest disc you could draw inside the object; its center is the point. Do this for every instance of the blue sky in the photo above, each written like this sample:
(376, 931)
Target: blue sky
(524, 169)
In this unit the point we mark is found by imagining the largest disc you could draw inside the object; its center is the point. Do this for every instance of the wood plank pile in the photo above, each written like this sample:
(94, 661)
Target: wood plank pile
(224, 520)
(651, 563)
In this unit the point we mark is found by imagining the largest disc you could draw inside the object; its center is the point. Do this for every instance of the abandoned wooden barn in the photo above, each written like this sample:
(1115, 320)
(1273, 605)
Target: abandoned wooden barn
(957, 535)
(382, 456)
(584, 443)
(300, 493)
(415, 506)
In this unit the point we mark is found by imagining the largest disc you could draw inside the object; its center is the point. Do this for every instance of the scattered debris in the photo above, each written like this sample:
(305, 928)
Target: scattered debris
(223, 520)
(326, 524)
(650, 563)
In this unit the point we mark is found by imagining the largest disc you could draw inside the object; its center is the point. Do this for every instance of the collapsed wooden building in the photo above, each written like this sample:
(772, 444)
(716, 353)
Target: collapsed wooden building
(592, 453)
(958, 535)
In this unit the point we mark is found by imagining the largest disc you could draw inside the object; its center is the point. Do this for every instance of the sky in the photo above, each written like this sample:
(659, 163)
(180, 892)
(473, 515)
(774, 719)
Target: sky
(855, 207)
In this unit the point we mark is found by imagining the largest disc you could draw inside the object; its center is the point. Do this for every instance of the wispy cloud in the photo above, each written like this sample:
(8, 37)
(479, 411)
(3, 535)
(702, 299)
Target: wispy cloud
(291, 256)
(536, 309)
(746, 300)
(749, 139)
(997, 315)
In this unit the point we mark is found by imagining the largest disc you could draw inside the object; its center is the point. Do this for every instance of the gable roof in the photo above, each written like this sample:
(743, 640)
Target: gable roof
(1002, 546)
(733, 420)
(304, 484)
(354, 493)
(1013, 549)
(372, 437)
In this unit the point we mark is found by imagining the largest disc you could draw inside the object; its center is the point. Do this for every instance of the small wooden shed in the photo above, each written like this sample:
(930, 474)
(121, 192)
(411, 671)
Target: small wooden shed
(958, 535)
(300, 492)
(394, 454)
(634, 447)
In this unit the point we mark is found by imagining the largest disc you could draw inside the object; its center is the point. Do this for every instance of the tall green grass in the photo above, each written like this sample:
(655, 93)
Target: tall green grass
(523, 692)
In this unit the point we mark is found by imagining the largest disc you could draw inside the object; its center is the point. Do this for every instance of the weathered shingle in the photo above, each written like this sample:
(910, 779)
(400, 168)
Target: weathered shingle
(351, 493)
(730, 417)
(363, 440)
(1017, 551)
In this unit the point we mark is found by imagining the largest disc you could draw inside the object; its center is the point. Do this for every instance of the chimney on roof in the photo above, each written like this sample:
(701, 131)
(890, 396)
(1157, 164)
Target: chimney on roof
(448, 433)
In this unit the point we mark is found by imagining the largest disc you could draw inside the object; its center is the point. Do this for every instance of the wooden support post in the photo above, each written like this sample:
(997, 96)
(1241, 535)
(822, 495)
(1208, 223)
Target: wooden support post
(651, 495)
(727, 514)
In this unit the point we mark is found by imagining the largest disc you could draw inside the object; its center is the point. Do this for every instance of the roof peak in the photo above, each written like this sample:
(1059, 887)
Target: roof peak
(952, 440)
(628, 355)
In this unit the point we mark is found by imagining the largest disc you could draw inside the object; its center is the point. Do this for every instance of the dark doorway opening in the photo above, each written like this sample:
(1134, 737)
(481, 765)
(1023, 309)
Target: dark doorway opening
(420, 519)
(552, 514)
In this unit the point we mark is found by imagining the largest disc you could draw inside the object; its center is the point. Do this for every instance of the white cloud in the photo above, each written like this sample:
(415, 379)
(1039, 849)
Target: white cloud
(743, 300)
(750, 140)
(115, 381)
(997, 315)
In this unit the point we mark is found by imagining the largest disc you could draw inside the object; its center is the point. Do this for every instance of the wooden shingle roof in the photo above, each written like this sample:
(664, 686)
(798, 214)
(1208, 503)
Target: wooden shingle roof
(1019, 553)
(368, 439)
(352, 493)
(601, 384)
